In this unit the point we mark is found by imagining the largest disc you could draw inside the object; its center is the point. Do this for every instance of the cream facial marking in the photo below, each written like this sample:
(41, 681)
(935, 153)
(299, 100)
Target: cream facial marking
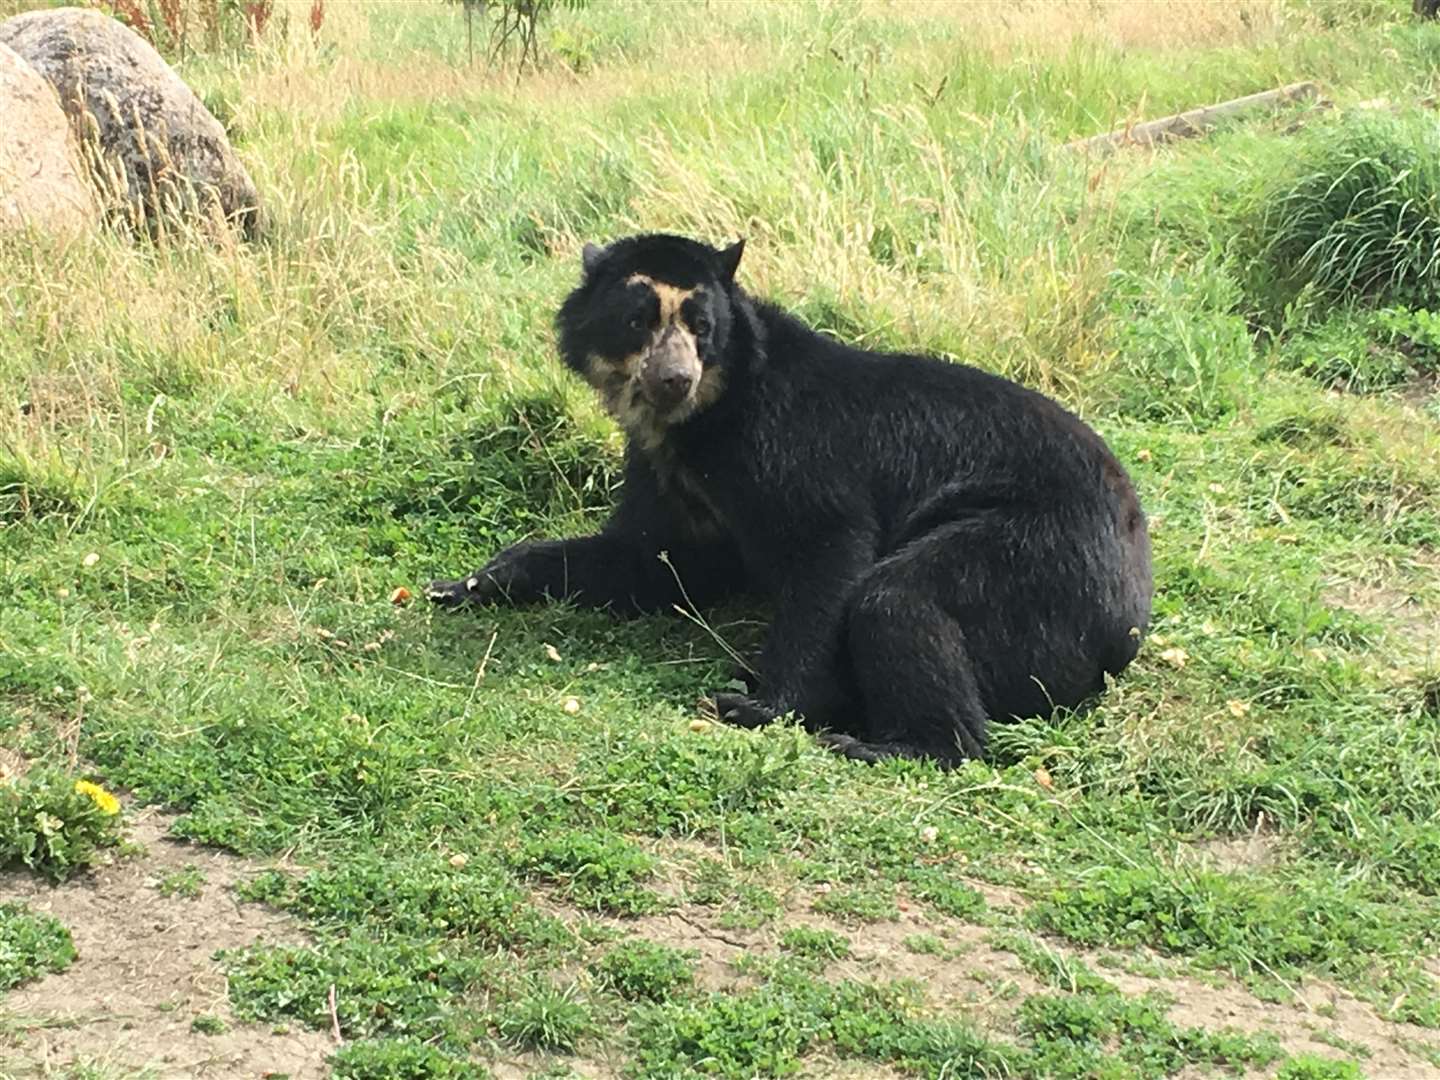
(621, 382)
(671, 297)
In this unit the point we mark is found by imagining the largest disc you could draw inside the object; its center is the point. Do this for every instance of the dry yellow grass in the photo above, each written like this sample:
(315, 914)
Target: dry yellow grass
(1007, 26)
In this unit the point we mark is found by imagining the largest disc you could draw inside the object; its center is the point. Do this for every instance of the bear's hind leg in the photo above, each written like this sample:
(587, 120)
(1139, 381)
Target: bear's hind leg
(911, 661)
(916, 680)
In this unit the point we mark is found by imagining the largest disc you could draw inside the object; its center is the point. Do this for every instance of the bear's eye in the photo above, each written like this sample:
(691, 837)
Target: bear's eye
(637, 322)
(703, 325)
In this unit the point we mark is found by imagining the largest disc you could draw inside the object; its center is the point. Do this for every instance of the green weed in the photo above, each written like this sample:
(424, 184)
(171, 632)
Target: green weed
(400, 1059)
(1185, 352)
(1246, 923)
(861, 903)
(646, 970)
(1313, 1067)
(401, 989)
(924, 944)
(545, 1017)
(594, 869)
(54, 824)
(208, 1024)
(186, 883)
(818, 944)
(1083, 1035)
(31, 945)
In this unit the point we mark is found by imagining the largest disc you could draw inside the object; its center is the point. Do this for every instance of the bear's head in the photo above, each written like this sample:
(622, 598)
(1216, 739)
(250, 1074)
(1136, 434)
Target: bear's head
(649, 327)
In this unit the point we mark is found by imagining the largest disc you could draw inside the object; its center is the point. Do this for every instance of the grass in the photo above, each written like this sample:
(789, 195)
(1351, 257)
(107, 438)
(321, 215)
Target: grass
(646, 970)
(218, 463)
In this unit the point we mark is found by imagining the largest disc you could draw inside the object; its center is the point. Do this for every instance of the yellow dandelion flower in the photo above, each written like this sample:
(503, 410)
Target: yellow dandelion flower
(99, 796)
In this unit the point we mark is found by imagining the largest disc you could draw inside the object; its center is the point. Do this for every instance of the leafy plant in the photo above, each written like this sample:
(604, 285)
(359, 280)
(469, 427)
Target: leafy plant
(646, 970)
(1079, 1035)
(1184, 350)
(596, 869)
(422, 896)
(401, 1059)
(187, 883)
(1244, 922)
(31, 945)
(933, 886)
(865, 903)
(54, 824)
(1314, 1067)
(924, 944)
(818, 944)
(208, 1024)
(766, 1031)
(1362, 350)
(404, 988)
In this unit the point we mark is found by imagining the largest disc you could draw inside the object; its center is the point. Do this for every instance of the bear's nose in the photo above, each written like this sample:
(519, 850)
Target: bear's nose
(668, 383)
(676, 384)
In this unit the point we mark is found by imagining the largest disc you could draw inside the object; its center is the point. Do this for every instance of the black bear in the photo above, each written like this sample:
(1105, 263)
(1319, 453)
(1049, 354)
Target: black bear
(942, 547)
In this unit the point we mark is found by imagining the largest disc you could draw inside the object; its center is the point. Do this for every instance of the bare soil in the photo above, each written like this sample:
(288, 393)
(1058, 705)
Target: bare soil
(145, 970)
(982, 983)
(1402, 598)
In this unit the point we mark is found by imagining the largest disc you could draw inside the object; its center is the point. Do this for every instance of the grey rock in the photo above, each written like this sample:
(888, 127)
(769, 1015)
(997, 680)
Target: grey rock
(42, 179)
(154, 148)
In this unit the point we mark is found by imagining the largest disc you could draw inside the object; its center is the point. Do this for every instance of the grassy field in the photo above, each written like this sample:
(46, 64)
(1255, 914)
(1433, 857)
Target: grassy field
(504, 843)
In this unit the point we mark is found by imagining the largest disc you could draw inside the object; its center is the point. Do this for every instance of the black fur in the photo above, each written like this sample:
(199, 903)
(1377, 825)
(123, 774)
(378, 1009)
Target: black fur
(942, 547)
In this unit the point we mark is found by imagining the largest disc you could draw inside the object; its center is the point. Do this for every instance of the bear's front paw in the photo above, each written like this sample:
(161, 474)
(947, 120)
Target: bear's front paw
(741, 711)
(475, 589)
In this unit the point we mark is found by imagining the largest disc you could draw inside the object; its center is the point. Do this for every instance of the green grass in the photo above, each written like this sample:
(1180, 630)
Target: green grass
(646, 970)
(218, 463)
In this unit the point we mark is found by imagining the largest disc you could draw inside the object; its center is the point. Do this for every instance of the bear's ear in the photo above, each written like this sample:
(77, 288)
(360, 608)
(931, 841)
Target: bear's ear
(590, 256)
(730, 260)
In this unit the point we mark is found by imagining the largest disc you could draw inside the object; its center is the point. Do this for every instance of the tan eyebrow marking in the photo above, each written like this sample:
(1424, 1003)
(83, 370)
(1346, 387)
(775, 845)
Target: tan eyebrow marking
(670, 296)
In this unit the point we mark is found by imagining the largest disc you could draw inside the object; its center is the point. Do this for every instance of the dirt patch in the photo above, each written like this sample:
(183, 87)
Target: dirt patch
(971, 978)
(1256, 851)
(526, 1066)
(1405, 599)
(1417, 392)
(967, 976)
(146, 969)
(1320, 1011)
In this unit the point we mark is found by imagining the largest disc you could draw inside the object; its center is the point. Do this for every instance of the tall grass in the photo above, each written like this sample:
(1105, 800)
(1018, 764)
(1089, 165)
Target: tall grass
(1357, 213)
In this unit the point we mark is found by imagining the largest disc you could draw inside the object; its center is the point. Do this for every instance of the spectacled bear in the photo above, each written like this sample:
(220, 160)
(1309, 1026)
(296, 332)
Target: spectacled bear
(942, 547)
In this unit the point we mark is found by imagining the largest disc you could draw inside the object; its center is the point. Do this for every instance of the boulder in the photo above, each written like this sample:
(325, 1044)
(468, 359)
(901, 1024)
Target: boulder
(42, 180)
(152, 142)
